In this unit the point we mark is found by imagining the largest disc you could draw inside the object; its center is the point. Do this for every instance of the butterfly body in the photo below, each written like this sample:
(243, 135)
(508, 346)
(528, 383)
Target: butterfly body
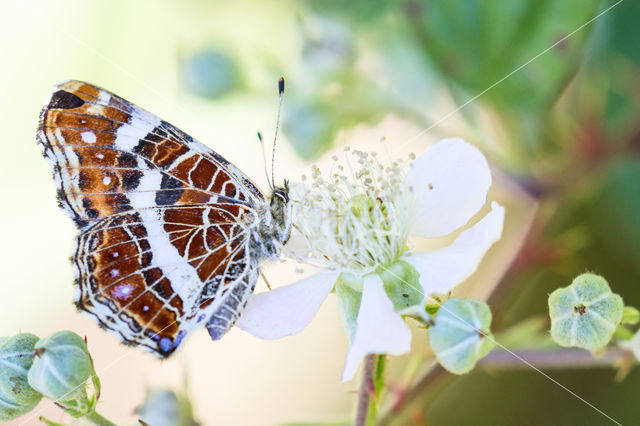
(171, 234)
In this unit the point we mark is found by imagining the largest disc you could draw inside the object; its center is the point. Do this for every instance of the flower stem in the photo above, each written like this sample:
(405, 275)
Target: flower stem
(367, 388)
(554, 359)
(98, 420)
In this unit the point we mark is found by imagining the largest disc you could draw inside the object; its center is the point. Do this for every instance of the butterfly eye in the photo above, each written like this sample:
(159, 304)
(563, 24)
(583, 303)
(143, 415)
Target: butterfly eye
(284, 196)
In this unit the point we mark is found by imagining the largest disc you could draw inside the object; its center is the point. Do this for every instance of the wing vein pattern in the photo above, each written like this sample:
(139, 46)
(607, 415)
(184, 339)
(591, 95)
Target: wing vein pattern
(166, 223)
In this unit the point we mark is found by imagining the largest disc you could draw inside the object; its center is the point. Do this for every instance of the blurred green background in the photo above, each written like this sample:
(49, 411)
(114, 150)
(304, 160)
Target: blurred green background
(562, 134)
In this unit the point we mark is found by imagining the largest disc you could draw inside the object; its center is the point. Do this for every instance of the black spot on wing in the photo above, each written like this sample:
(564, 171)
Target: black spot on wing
(170, 191)
(120, 203)
(65, 100)
(131, 180)
(127, 160)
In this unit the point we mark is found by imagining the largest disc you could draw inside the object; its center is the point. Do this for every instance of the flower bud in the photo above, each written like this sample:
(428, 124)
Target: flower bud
(585, 314)
(16, 357)
(630, 315)
(165, 408)
(211, 73)
(460, 335)
(61, 367)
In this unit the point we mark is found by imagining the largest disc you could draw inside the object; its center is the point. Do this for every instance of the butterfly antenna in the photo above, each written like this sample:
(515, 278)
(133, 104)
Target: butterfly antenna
(264, 160)
(275, 137)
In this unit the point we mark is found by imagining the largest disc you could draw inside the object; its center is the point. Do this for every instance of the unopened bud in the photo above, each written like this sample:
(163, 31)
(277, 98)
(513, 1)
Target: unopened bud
(16, 357)
(61, 367)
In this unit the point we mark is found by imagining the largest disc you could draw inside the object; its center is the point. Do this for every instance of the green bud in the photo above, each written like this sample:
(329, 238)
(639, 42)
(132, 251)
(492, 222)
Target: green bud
(16, 357)
(623, 333)
(460, 335)
(432, 308)
(632, 344)
(585, 314)
(165, 408)
(211, 73)
(630, 315)
(61, 368)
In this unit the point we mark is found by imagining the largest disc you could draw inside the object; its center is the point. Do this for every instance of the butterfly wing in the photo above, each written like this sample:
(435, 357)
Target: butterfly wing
(152, 276)
(110, 156)
(165, 221)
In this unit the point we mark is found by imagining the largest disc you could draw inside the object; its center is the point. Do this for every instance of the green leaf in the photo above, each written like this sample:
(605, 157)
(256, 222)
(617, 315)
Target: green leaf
(614, 212)
(349, 291)
(461, 336)
(477, 44)
(16, 357)
(625, 30)
(585, 314)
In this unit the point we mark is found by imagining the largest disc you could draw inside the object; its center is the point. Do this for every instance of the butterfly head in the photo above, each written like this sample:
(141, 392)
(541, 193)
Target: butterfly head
(280, 208)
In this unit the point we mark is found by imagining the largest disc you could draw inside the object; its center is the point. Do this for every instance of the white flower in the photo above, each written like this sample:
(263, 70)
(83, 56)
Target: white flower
(357, 228)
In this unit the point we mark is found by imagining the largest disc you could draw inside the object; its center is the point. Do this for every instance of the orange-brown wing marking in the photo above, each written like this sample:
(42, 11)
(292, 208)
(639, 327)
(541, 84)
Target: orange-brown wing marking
(109, 156)
(162, 271)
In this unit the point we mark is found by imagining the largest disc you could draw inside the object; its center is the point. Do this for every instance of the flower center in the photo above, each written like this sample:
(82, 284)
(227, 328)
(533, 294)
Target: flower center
(358, 218)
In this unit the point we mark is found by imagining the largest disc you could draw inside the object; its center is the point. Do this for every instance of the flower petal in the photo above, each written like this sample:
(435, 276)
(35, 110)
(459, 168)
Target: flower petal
(441, 270)
(380, 329)
(286, 310)
(450, 179)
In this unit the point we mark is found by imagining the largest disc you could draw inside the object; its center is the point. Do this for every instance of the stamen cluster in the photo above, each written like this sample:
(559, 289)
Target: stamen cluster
(358, 218)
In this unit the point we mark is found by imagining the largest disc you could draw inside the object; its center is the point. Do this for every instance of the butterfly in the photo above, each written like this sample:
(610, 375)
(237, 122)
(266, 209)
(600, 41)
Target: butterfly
(172, 235)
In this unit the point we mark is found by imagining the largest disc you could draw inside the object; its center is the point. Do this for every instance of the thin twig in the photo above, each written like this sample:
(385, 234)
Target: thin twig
(366, 390)
(551, 359)
(563, 358)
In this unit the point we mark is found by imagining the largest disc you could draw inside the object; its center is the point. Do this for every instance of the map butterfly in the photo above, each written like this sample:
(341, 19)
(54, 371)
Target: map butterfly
(171, 234)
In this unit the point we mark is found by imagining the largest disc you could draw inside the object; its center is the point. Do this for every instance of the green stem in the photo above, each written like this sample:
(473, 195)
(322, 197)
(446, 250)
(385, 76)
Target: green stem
(43, 419)
(96, 419)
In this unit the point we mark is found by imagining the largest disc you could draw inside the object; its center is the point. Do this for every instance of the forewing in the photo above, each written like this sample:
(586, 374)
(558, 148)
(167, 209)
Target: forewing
(110, 156)
(153, 275)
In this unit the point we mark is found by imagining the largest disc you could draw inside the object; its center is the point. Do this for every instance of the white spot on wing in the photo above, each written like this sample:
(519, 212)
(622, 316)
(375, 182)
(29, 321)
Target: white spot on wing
(106, 180)
(88, 137)
(145, 195)
(104, 97)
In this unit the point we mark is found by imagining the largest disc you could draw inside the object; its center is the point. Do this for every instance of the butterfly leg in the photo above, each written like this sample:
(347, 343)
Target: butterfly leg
(266, 281)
